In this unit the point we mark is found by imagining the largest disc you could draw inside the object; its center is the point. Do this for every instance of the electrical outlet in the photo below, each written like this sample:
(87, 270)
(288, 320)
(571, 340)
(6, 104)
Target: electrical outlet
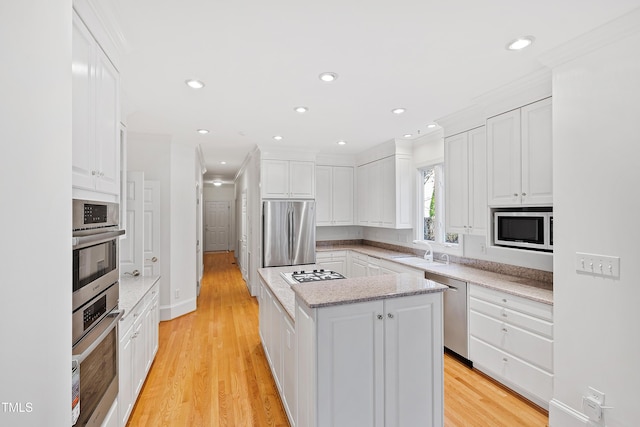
(598, 265)
(177, 293)
(596, 395)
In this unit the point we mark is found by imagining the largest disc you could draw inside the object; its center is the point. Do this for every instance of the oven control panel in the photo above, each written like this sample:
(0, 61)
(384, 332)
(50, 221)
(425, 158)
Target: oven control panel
(95, 214)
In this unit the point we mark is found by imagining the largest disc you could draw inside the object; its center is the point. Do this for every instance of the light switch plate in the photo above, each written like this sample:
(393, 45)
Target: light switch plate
(598, 265)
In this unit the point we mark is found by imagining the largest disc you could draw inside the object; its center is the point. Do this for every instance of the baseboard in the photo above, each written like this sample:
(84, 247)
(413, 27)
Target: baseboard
(561, 415)
(169, 312)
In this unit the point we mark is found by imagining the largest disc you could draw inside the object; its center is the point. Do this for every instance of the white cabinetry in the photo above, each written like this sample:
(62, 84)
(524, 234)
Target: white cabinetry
(138, 335)
(335, 261)
(288, 179)
(466, 182)
(391, 375)
(334, 195)
(385, 193)
(96, 115)
(278, 337)
(511, 339)
(360, 265)
(519, 156)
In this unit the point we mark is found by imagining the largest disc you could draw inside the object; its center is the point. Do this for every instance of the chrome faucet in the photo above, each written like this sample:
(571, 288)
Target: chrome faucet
(428, 254)
(445, 257)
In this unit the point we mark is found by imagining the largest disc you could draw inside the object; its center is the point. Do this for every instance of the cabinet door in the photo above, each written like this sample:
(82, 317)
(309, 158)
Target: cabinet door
(342, 191)
(125, 377)
(504, 159)
(107, 137)
(302, 182)
(404, 194)
(537, 175)
(290, 369)
(139, 359)
(337, 265)
(374, 193)
(275, 344)
(387, 189)
(275, 179)
(413, 361)
(324, 187)
(457, 183)
(477, 155)
(358, 268)
(364, 214)
(350, 371)
(83, 95)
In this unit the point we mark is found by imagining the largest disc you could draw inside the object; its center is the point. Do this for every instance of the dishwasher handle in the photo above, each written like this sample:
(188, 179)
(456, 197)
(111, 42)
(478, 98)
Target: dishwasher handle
(453, 288)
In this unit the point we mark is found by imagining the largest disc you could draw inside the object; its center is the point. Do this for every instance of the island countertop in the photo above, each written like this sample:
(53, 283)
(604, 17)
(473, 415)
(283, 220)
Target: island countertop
(343, 291)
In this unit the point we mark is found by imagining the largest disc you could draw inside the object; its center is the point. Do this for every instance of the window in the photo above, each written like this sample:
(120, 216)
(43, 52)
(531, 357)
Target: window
(432, 227)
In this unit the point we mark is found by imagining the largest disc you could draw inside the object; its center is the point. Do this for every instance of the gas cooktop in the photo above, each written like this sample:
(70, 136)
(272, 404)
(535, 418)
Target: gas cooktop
(310, 276)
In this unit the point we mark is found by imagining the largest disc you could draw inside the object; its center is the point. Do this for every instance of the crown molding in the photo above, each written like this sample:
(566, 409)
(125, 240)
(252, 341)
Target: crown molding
(617, 29)
(462, 120)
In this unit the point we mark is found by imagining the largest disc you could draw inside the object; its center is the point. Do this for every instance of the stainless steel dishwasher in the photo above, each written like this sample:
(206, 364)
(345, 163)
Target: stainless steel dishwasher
(456, 337)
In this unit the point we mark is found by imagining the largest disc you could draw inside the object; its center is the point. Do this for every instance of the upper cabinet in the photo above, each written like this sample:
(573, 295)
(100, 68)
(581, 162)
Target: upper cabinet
(519, 156)
(466, 182)
(288, 179)
(96, 115)
(385, 192)
(334, 195)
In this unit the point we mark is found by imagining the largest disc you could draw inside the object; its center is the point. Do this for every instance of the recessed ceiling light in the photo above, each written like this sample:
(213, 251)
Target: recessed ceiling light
(203, 131)
(341, 142)
(217, 183)
(223, 162)
(407, 135)
(194, 84)
(277, 137)
(398, 110)
(301, 109)
(431, 125)
(520, 43)
(328, 77)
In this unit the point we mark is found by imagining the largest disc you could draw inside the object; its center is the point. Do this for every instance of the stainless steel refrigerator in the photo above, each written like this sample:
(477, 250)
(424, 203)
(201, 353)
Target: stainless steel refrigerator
(288, 233)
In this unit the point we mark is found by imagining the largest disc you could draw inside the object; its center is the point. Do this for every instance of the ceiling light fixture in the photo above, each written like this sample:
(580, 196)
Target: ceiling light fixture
(407, 135)
(431, 126)
(328, 76)
(217, 183)
(341, 142)
(194, 84)
(520, 43)
(203, 131)
(223, 162)
(277, 137)
(301, 109)
(398, 110)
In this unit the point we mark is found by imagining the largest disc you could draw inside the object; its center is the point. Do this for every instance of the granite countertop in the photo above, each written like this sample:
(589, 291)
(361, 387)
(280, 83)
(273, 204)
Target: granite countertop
(133, 289)
(514, 285)
(343, 291)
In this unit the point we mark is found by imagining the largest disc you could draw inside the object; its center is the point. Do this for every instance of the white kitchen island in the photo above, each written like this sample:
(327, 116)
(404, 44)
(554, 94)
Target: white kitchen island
(366, 351)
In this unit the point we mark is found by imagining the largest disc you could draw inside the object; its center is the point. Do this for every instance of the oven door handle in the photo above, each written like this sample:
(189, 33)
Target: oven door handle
(89, 342)
(83, 241)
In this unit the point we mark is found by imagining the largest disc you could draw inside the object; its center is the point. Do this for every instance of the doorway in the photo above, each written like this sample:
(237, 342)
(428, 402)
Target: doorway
(216, 218)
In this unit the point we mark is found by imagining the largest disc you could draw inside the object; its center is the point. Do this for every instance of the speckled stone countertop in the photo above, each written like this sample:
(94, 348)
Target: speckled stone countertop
(514, 285)
(343, 291)
(133, 289)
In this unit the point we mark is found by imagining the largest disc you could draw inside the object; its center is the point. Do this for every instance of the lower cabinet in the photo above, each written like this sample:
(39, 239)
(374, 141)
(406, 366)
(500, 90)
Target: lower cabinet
(511, 340)
(334, 260)
(111, 420)
(138, 335)
(278, 337)
(376, 363)
(360, 265)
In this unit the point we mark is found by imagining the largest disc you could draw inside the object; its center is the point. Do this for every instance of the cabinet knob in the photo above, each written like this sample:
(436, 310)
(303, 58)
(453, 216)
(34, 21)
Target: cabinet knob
(94, 173)
(505, 330)
(504, 300)
(390, 316)
(505, 360)
(515, 194)
(524, 194)
(379, 316)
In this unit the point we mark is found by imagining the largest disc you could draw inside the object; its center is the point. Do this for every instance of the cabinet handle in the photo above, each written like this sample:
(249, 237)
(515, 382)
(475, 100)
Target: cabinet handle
(524, 194)
(379, 316)
(505, 330)
(504, 300)
(94, 173)
(515, 194)
(390, 316)
(505, 360)
(504, 314)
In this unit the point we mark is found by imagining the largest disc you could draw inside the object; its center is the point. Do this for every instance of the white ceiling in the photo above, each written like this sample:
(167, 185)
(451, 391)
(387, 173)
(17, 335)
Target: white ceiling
(260, 59)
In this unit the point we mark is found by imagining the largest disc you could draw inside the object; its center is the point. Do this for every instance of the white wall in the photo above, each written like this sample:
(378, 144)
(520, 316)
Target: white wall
(35, 189)
(224, 193)
(162, 166)
(596, 205)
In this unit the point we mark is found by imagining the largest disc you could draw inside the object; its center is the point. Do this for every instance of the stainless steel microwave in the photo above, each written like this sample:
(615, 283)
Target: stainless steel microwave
(523, 229)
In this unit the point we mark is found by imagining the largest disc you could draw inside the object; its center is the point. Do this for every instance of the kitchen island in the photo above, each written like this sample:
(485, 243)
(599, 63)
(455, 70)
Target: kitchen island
(361, 351)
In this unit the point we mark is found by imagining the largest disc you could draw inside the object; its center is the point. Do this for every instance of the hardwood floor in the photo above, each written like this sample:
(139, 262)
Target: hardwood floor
(211, 370)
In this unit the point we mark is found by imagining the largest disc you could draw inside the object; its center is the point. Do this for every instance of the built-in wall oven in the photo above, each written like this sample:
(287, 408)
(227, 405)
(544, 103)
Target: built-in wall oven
(95, 316)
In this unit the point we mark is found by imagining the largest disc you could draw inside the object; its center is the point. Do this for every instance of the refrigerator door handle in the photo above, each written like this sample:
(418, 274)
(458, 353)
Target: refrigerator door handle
(290, 233)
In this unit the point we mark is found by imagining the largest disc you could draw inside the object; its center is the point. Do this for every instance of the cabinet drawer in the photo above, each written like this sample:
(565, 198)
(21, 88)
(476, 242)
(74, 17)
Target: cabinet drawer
(533, 324)
(359, 256)
(515, 373)
(524, 305)
(523, 344)
(330, 255)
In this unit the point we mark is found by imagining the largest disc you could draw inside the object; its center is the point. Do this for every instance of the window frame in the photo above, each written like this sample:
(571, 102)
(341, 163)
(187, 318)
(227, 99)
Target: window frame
(456, 249)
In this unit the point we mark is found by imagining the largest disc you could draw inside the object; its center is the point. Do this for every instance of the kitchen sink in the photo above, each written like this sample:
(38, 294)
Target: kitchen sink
(420, 262)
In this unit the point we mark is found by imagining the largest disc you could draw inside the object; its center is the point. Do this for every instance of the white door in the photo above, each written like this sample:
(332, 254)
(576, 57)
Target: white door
(151, 228)
(131, 248)
(217, 226)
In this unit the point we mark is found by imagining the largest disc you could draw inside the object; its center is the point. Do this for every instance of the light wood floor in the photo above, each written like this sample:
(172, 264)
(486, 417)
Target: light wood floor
(211, 370)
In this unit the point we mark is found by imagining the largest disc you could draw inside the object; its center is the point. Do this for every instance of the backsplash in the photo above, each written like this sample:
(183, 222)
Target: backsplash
(511, 270)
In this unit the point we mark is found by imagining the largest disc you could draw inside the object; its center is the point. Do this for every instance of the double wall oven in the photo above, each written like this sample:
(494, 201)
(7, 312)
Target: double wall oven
(95, 312)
